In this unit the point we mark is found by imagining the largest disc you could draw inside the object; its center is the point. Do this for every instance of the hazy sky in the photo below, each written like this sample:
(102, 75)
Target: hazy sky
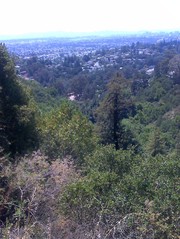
(29, 16)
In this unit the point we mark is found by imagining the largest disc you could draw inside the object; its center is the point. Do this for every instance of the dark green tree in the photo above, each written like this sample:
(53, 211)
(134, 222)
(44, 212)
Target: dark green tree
(174, 67)
(115, 106)
(17, 112)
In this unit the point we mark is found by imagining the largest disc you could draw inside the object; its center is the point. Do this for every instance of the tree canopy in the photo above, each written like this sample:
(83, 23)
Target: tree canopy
(115, 106)
(17, 110)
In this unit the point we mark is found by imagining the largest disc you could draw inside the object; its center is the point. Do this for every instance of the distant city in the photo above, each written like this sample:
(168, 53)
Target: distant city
(91, 52)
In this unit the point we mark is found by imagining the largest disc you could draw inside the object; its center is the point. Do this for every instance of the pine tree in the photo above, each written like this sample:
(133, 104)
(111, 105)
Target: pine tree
(115, 107)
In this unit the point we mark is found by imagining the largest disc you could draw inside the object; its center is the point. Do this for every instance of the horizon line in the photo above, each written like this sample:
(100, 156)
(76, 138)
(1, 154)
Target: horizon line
(71, 34)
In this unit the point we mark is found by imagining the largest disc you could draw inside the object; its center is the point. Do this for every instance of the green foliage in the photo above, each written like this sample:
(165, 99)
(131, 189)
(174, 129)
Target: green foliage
(128, 187)
(157, 143)
(114, 107)
(157, 89)
(95, 194)
(154, 183)
(17, 109)
(45, 97)
(123, 184)
(65, 131)
(89, 197)
(106, 158)
(174, 67)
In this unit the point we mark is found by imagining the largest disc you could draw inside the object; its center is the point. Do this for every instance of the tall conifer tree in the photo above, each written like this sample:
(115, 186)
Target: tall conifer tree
(115, 107)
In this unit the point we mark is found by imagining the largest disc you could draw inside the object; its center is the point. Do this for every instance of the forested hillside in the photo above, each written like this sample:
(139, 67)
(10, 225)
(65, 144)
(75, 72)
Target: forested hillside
(91, 154)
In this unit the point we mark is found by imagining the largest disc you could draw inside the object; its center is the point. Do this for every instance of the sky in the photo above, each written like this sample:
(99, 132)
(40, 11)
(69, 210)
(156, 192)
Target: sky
(38, 16)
